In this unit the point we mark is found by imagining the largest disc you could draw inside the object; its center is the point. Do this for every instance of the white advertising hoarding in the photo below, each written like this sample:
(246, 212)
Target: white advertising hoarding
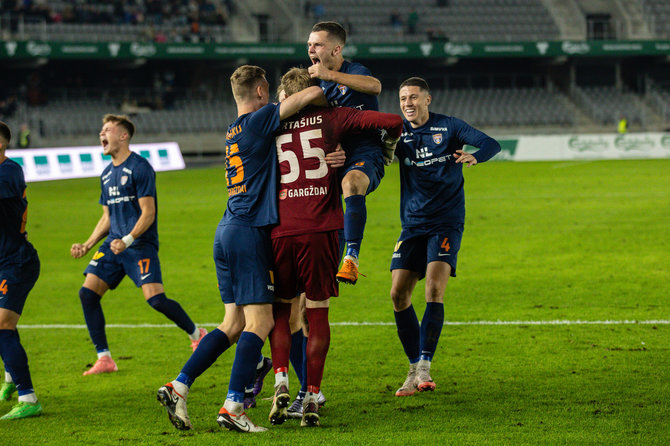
(60, 163)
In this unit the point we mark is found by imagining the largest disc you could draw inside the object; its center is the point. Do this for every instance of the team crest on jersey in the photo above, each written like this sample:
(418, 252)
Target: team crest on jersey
(437, 138)
(282, 194)
(343, 88)
(124, 179)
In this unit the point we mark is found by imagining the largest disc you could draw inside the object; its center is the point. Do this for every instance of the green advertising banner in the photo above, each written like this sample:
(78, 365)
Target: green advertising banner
(297, 51)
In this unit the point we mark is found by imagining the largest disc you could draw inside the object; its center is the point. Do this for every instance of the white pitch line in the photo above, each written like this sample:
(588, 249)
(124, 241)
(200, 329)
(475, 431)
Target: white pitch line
(377, 324)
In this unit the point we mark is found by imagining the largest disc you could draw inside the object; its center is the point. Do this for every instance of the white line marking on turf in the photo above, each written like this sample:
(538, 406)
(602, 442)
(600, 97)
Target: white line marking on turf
(375, 324)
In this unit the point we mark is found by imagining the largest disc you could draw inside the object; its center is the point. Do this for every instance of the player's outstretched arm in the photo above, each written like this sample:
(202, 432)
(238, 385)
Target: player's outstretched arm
(359, 82)
(147, 218)
(296, 102)
(99, 232)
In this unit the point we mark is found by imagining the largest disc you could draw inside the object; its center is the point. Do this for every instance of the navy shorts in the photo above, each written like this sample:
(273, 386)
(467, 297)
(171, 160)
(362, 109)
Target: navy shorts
(16, 281)
(244, 265)
(306, 263)
(370, 163)
(139, 262)
(416, 253)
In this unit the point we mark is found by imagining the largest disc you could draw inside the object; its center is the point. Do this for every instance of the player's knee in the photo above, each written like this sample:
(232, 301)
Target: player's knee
(355, 183)
(400, 298)
(88, 297)
(157, 301)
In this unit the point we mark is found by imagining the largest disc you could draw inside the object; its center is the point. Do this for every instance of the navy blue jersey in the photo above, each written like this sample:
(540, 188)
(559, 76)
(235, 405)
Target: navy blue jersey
(251, 168)
(341, 95)
(13, 211)
(431, 182)
(122, 186)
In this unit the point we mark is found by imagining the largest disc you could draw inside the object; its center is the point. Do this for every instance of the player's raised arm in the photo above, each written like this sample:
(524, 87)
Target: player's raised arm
(359, 82)
(296, 102)
(100, 231)
(389, 123)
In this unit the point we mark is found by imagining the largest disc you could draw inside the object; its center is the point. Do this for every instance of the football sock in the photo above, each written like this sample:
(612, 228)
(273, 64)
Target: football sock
(318, 343)
(303, 383)
(104, 353)
(94, 317)
(431, 327)
(280, 336)
(195, 334)
(246, 355)
(173, 311)
(212, 345)
(296, 356)
(8, 377)
(355, 215)
(409, 333)
(16, 361)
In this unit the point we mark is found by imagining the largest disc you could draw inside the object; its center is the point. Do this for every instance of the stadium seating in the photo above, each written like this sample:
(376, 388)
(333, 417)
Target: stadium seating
(461, 20)
(495, 106)
(605, 105)
(657, 16)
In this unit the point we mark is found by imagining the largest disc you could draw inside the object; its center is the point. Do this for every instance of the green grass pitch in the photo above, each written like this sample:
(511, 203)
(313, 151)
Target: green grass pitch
(550, 241)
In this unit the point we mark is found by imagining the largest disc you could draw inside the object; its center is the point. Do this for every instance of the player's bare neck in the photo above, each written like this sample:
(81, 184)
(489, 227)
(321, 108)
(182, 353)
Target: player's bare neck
(120, 156)
(3, 157)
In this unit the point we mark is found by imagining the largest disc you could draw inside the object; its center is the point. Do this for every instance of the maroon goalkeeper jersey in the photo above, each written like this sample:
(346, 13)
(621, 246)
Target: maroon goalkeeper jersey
(309, 190)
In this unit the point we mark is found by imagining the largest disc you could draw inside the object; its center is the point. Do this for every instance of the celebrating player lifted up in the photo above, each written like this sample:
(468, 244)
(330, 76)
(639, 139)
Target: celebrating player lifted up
(432, 214)
(350, 84)
(305, 243)
(129, 221)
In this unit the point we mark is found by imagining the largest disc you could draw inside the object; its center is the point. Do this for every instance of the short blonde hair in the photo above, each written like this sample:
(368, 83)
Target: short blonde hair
(244, 80)
(122, 120)
(295, 80)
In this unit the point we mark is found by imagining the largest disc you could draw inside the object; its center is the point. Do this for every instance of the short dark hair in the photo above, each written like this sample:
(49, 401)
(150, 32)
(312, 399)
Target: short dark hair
(333, 29)
(122, 120)
(245, 79)
(5, 133)
(415, 82)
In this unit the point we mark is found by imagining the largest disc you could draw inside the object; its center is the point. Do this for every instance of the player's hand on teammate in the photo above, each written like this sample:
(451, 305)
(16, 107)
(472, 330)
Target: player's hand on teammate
(319, 71)
(117, 246)
(390, 144)
(337, 158)
(78, 250)
(464, 157)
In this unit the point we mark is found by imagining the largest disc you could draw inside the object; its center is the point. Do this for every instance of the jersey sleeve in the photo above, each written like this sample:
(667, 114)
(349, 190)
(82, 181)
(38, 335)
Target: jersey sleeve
(12, 183)
(145, 180)
(467, 134)
(264, 121)
(353, 119)
(356, 68)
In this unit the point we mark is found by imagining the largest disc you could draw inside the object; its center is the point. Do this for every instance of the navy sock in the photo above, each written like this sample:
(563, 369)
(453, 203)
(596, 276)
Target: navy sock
(210, 348)
(296, 356)
(431, 327)
(409, 333)
(95, 318)
(173, 311)
(16, 361)
(355, 216)
(246, 357)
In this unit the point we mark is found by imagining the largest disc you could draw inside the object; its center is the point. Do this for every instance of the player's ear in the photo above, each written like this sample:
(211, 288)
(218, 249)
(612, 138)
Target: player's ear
(337, 50)
(429, 99)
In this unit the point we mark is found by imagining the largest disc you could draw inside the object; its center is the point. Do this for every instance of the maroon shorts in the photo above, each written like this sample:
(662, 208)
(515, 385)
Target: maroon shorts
(306, 263)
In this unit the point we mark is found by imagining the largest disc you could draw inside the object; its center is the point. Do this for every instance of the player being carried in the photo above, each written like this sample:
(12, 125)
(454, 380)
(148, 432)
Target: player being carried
(19, 270)
(350, 84)
(242, 249)
(432, 214)
(129, 221)
(305, 243)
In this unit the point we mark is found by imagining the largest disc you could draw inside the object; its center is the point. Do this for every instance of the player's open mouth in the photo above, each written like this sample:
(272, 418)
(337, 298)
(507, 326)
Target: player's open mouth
(315, 60)
(104, 143)
(409, 111)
